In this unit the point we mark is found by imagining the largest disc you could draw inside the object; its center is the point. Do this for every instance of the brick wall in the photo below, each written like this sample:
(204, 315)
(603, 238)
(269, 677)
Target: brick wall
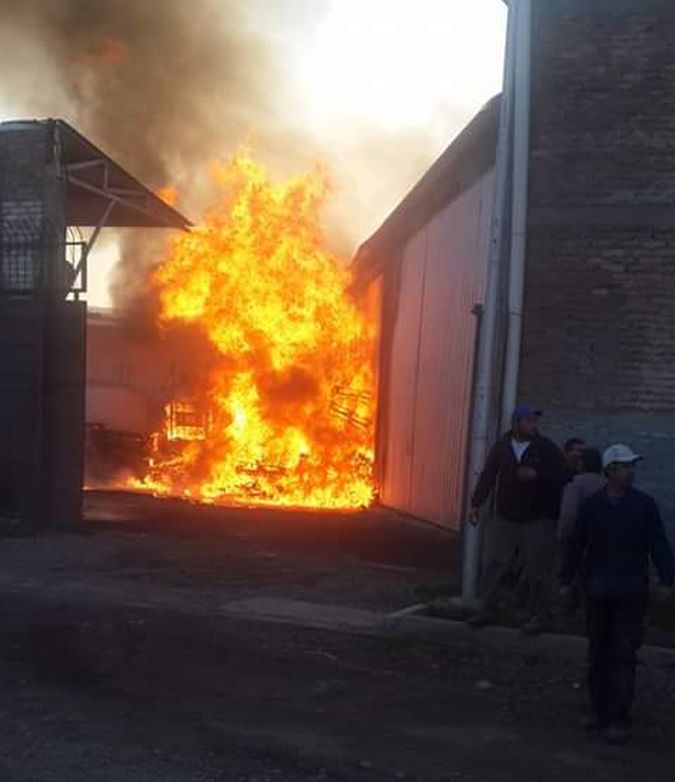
(23, 157)
(599, 323)
(22, 206)
(603, 119)
(602, 300)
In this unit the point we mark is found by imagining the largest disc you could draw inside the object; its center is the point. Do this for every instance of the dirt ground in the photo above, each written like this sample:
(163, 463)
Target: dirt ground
(116, 664)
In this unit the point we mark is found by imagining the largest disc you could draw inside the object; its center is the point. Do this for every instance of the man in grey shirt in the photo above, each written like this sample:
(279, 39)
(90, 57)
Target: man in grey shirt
(588, 482)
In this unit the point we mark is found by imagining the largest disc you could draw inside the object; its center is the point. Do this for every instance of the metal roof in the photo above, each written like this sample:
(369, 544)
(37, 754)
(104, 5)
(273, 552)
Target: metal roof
(99, 190)
(469, 156)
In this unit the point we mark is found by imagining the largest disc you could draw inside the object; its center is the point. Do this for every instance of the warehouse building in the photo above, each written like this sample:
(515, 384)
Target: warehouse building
(551, 215)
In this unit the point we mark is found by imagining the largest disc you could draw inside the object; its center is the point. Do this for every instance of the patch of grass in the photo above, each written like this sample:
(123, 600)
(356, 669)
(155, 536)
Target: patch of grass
(660, 622)
(426, 593)
(661, 615)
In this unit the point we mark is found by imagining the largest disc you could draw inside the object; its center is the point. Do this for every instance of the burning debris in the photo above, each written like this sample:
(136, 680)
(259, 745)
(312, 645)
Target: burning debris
(284, 413)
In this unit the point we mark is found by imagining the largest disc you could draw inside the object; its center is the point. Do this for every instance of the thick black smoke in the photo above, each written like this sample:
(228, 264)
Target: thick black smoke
(160, 85)
(155, 82)
(165, 85)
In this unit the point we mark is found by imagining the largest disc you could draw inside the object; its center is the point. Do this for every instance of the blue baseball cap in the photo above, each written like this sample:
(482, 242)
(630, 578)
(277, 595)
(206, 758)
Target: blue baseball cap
(524, 411)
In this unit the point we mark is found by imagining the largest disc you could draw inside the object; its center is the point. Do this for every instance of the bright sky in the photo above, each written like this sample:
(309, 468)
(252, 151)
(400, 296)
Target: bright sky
(397, 62)
(397, 65)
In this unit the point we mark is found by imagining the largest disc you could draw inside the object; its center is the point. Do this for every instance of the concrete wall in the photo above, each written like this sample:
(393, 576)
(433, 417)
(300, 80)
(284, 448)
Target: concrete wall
(42, 410)
(599, 323)
(63, 410)
(42, 337)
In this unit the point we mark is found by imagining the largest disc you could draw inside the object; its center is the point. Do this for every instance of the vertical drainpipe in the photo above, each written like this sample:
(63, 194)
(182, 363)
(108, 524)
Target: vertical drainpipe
(483, 419)
(521, 174)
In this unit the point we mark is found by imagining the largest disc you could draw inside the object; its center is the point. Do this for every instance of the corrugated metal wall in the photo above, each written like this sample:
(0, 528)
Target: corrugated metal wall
(429, 386)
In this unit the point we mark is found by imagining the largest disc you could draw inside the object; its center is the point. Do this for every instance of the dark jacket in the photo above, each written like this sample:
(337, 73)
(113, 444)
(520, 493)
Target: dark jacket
(618, 540)
(518, 500)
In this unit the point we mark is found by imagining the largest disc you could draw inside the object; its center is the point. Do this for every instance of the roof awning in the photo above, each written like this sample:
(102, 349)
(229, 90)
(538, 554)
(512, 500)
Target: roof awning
(97, 184)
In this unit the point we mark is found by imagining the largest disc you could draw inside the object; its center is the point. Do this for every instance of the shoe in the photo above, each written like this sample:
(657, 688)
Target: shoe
(535, 626)
(482, 619)
(618, 735)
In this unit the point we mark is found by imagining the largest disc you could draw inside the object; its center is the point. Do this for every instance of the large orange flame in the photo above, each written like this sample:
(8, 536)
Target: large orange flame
(287, 415)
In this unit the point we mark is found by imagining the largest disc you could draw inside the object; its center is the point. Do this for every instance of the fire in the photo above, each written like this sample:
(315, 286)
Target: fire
(168, 194)
(286, 415)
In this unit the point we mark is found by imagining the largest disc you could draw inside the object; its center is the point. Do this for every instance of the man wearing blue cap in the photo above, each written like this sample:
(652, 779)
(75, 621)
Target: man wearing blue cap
(528, 472)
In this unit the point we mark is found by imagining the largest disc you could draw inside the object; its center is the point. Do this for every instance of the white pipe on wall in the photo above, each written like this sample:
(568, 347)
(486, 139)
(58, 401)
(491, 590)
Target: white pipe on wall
(521, 174)
(484, 387)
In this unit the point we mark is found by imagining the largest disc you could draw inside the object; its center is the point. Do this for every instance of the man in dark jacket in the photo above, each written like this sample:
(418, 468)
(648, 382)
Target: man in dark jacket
(528, 471)
(616, 532)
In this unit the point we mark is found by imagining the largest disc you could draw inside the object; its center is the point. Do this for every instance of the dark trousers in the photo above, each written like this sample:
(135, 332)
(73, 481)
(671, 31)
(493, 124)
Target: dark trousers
(615, 627)
(533, 543)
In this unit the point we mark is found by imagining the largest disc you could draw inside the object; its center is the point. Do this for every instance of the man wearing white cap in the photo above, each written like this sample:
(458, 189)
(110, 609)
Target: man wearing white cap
(616, 532)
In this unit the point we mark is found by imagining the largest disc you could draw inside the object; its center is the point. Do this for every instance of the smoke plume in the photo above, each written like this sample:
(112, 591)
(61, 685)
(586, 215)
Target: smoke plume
(156, 83)
(160, 85)
(165, 85)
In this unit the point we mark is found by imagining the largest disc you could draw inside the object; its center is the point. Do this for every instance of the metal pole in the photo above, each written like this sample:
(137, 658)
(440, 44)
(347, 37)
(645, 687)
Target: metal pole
(521, 173)
(483, 418)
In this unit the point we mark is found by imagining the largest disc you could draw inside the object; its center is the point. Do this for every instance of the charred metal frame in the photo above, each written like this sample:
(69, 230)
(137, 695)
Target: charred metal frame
(114, 195)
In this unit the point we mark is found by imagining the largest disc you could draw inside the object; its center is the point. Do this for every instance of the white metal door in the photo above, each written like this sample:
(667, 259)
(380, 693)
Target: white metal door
(442, 278)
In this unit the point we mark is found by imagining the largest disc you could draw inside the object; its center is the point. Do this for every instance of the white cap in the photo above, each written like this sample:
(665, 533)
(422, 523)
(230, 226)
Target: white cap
(619, 454)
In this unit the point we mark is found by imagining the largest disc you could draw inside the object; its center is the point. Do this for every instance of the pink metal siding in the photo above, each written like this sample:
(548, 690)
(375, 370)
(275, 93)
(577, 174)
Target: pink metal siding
(442, 278)
(403, 373)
